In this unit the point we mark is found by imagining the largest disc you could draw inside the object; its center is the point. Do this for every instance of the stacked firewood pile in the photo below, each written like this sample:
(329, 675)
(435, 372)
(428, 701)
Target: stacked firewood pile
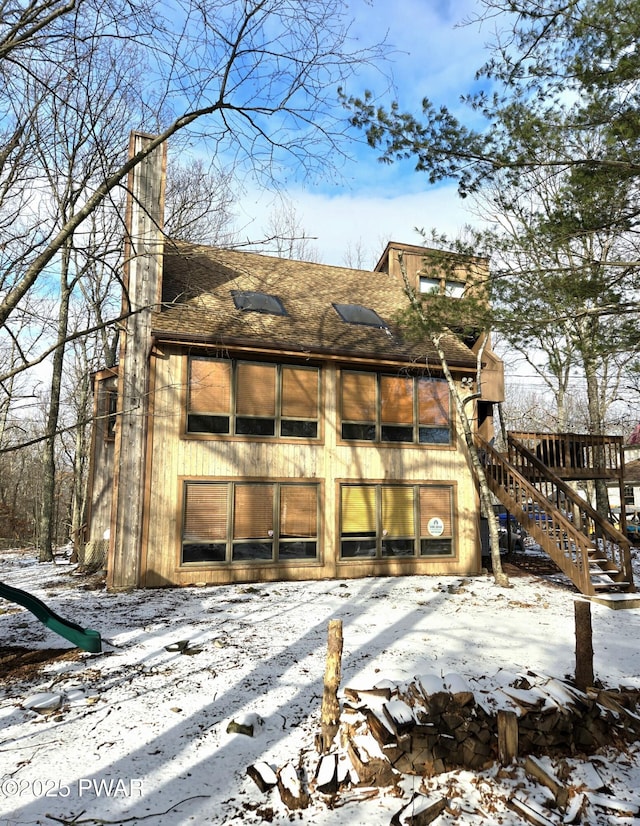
(424, 728)
(432, 725)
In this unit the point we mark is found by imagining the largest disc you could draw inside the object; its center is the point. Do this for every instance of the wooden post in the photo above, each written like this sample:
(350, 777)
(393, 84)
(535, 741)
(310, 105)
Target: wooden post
(330, 714)
(507, 736)
(584, 645)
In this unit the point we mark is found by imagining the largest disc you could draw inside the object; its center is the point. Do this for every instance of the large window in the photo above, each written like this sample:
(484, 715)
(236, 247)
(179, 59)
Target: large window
(249, 521)
(379, 521)
(390, 408)
(245, 398)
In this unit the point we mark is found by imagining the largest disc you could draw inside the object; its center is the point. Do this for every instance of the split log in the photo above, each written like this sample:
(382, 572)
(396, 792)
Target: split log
(527, 699)
(330, 714)
(575, 809)
(610, 701)
(360, 695)
(507, 736)
(459, 688)
(399, 715)
(530, 811)
(380, 728)
(263, 776)
(535, 769)
(586, 776)
(327, 774)
(293, 795)
(369, 762)
(621, 807)
(419, 812)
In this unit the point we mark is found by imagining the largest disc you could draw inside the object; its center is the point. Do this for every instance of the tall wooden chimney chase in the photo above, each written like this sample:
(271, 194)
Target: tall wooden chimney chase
(141, 294)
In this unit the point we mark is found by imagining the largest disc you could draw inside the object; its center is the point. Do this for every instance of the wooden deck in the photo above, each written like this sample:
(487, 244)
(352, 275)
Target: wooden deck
(576, 456)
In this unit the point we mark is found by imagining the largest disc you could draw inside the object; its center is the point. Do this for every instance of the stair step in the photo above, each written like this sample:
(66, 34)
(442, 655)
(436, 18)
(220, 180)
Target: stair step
(605, 577)
(606, 586)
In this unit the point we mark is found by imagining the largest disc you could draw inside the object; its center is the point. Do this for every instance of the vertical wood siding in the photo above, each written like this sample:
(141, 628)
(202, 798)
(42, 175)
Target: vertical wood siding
(330, 462)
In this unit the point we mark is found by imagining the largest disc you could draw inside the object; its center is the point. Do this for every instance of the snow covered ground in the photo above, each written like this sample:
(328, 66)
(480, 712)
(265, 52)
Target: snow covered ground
(138, 734)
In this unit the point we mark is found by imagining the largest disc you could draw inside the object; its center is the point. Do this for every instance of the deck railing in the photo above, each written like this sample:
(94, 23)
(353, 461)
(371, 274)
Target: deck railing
(575, 455)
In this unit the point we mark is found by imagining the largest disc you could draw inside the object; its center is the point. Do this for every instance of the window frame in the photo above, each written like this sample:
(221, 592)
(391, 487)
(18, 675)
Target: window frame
(430, 532)
(278, 426)
(370, 431)
(234, 540)
(110, 403)
(628, 494)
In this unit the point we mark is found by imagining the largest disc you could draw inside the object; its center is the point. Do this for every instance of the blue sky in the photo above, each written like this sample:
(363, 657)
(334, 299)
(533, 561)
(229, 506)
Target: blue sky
(369, 203)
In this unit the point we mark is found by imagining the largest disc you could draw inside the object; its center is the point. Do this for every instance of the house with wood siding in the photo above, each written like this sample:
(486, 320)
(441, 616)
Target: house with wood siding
(270, 419)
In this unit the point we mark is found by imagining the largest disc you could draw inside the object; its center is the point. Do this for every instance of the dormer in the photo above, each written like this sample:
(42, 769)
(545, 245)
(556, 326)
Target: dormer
(454, 275)
(427, 269)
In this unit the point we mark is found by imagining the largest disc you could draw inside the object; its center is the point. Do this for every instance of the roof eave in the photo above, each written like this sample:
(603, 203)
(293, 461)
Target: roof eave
(332, 354)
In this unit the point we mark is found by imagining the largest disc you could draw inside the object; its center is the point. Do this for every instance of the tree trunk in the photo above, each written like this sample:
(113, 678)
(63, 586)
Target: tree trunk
(596, 427)
(47, 533)
(486, 502)
(78, 496)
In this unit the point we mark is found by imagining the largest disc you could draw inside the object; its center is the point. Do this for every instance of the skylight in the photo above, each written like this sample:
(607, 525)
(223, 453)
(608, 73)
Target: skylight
(257, 302)
(357, 314)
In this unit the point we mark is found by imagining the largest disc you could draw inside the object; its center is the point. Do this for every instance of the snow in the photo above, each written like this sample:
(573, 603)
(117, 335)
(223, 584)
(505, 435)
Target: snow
(143, 729)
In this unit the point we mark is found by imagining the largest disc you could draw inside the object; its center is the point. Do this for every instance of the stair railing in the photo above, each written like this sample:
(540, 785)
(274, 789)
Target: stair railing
(537, 509)
(613, 547)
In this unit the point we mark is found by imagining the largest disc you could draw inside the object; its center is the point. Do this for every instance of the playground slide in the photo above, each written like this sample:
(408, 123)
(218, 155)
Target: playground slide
(83, 638)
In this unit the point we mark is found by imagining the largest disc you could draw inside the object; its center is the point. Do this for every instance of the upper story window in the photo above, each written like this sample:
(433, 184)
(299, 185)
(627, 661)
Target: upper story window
(106, 391)
(111, 412)
(378, 407)
(450, 287)
(245, 398)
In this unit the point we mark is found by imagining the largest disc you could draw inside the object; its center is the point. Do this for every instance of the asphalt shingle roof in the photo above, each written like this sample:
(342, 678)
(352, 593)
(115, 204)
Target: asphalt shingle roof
(198, 306)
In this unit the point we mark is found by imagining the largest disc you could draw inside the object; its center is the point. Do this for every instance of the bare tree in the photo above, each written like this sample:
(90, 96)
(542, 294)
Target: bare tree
(199, 203)
(358, 257)
(251, 80)
(258, 75)
(434, 316)
(285, 235)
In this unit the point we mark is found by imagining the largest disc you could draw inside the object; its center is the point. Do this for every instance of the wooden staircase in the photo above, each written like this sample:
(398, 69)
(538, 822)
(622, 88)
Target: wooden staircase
(588, 549)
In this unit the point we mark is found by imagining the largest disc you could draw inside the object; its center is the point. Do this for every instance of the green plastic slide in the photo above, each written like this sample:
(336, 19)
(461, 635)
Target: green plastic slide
(83, 638)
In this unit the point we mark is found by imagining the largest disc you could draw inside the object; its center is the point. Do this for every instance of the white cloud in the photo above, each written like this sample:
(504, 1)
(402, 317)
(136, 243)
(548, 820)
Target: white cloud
(430, 53)
(348, 220)
(361, 203)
